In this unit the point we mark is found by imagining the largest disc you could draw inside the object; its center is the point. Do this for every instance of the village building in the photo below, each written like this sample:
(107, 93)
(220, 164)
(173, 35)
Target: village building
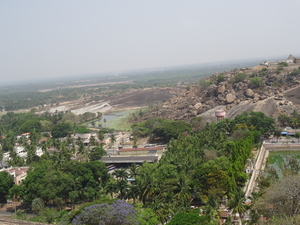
(19, 173)
(290, 60)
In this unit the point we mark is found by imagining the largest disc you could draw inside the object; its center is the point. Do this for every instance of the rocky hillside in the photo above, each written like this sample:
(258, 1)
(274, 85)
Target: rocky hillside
(272, 89)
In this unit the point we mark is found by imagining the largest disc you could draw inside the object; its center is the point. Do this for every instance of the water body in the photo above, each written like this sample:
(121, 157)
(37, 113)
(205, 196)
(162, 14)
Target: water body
(110, 118)
(276, 160)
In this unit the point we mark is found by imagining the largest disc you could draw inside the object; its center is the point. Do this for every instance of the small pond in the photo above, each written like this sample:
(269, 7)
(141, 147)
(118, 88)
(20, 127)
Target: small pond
(277, 159)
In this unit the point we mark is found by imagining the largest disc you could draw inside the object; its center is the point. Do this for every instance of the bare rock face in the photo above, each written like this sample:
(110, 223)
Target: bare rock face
(249, 93)
(230, 98)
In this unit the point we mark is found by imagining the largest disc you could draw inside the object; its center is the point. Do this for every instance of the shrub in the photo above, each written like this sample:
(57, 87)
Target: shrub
(279, 68)
(204, 84)
(240, 77)
(256, 82)
(295, 72)
(220, 78)
(283, 64)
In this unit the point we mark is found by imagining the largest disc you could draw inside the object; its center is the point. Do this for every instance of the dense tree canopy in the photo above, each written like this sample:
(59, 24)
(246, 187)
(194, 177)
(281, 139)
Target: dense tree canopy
(61, 130)
(6, 182)
(75, 181)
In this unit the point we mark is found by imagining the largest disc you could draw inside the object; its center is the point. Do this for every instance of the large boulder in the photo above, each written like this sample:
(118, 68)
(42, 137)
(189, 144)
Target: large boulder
(198, 105)
(211, 103)
(211, 90)
(221, 89)
(249, 93)
(230, 98)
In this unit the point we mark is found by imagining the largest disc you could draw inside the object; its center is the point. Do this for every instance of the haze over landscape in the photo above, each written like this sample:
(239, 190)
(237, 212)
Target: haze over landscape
(149, 112)
(48, 39)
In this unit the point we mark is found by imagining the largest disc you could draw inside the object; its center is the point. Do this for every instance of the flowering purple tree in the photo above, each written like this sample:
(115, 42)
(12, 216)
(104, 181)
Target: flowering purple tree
(118, 213)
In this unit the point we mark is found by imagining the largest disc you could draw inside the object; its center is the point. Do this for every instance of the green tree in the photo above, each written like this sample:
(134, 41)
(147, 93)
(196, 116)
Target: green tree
(100, 137)
(6, 182)
(37, 204)
(283, 120)
(97, 153)
(61, 130)
(112, 139)
(238, 205)
(146, 216)
(190, 217)
(297, 135)
(171, 129)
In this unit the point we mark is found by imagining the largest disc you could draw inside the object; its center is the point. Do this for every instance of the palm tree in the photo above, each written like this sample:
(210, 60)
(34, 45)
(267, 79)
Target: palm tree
(122, 187)
(93, 141)
(101, 137)
(133, 171)
(277, 132)
(161, 209)
(212, 210)
(133, 192)
(104, 120)
(237, 204)
(69, 139)
(111, 188)
(112, 139)
(37, 204)
(183, 191)
(120, 174)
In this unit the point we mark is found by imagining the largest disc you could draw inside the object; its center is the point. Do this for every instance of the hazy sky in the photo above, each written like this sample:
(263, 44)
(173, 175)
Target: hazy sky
(69, 37)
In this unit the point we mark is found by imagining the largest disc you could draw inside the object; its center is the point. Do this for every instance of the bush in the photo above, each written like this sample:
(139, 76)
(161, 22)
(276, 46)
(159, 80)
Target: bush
(204, 84)
(295, 72)
(280, 68)
(283, 64)
(240, 77)
(264, 69)
(220, 78)
(256, 82)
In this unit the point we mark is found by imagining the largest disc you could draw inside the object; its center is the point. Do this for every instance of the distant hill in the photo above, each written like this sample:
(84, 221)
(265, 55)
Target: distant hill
(272, 87)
